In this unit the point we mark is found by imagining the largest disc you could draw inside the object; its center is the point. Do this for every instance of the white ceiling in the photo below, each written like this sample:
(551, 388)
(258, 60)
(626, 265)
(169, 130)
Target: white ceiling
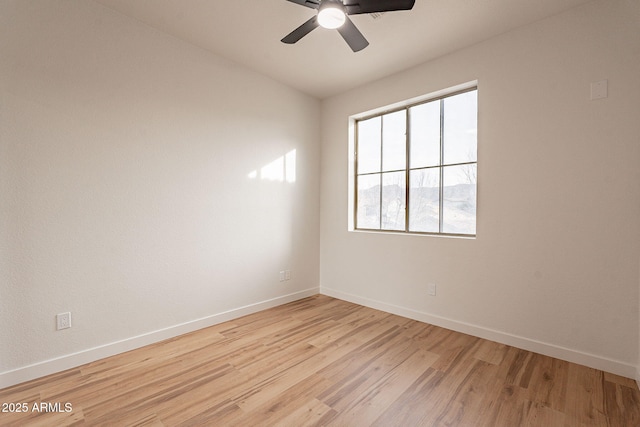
(322, 64)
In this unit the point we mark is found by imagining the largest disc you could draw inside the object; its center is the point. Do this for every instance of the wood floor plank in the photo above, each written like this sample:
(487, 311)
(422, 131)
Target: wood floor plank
(585, 402)
(320, 361)
(282, 405)
(364, 407)
(415, 404)
(542, 415)
(312, 413)
(491, 352)
(550, 387)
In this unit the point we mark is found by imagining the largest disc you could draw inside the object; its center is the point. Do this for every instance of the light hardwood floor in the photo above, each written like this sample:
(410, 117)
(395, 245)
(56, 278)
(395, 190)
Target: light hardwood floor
(325, 362)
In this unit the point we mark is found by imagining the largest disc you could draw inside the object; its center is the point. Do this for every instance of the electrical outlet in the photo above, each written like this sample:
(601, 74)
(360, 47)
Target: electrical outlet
(599, 89)
(63, 320)
(285, 275)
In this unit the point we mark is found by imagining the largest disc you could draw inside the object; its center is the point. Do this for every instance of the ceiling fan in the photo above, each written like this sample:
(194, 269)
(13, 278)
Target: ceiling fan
(332, 14)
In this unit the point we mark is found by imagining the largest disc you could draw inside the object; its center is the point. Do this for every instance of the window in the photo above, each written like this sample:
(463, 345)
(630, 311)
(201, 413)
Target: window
(416, 167)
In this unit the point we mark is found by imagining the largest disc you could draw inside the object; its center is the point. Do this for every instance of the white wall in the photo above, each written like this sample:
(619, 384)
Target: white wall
(554, 265)
(124, 188)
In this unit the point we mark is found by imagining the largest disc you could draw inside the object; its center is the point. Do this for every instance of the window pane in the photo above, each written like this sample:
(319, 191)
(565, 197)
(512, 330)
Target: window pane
(425, 135)
(368, 149)
(460, 128)
(459, 199)
(436, 157)
(369, 201)
(394, 143)
(424, 198)
(393, 200)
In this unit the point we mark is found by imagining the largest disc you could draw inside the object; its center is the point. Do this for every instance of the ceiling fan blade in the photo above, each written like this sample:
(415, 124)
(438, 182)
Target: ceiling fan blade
(313, 4)
(352, 36)
(357, 7)
(301, 31)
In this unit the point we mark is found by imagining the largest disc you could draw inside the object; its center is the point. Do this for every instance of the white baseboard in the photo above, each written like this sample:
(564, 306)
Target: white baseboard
(638, 377)
(69, 361)
(591, 360)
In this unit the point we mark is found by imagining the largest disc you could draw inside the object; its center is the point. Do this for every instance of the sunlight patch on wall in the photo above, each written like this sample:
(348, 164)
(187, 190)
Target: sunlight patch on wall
(280, 170)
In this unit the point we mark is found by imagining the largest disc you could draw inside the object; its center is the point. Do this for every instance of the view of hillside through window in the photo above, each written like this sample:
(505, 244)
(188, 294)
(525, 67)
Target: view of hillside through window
(416, 168)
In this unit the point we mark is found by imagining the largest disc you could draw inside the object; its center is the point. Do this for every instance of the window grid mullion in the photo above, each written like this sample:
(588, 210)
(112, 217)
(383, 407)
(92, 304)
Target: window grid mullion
(395, 170)
(381, 170)
(407, 133)
(429, 167)
(356, 175)
(441, 183)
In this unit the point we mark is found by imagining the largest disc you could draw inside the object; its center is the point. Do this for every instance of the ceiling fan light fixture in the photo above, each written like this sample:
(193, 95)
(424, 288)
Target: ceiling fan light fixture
(332, 16)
